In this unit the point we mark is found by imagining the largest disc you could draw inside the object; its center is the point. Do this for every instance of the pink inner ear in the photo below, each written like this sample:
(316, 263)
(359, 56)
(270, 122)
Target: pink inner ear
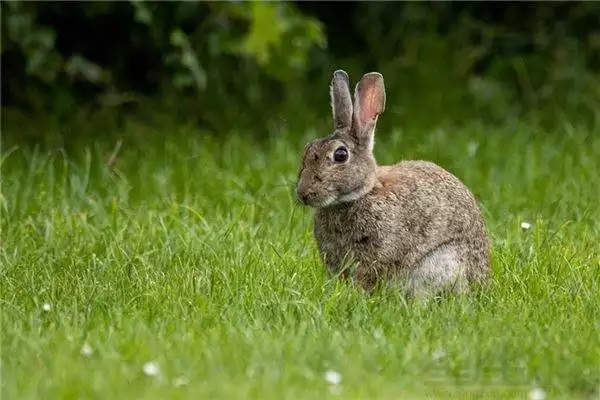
(370, 104)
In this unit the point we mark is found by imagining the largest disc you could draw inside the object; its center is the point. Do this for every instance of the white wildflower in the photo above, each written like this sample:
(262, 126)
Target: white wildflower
(378, 334)
(537, 394)
(438, 355)
(151, 369)
(86, 350)
(525, 225)
(333, 377)
(47, 307)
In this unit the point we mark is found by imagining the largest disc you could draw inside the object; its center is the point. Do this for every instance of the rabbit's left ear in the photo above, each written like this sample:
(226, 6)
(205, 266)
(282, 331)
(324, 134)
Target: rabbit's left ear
(369, 103)
(341, 101)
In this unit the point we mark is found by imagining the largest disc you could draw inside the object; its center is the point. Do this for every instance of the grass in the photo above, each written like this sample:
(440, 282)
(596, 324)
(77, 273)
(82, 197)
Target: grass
(191, 253)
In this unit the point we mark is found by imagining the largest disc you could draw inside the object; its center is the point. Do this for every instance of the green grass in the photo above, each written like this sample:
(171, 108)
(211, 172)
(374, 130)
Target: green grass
(191, 252)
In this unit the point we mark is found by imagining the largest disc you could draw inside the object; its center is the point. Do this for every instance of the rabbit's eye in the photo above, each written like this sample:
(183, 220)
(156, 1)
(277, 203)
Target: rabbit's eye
(340, 154)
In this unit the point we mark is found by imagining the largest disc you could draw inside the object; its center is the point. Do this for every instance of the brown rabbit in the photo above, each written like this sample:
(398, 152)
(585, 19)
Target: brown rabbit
(412, 223)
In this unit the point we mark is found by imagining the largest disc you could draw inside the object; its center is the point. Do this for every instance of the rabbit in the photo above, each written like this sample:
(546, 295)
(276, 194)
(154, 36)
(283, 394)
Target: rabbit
(412, 224)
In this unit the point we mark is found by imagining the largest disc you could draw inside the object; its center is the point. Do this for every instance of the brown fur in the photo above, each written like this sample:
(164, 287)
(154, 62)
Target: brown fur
(413, 222)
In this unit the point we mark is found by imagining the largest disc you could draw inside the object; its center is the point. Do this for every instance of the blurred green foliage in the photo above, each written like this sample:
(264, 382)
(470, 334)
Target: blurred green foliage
(234, 65)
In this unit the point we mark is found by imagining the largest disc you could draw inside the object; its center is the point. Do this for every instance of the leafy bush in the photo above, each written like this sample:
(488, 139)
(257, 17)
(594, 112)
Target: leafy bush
(234, 65)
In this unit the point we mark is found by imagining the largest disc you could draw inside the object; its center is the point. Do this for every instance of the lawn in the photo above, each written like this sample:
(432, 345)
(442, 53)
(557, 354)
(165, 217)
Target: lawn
(184, 268)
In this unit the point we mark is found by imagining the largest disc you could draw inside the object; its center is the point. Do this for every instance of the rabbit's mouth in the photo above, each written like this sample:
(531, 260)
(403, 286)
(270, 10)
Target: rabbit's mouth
(314, 201)
(332, 198)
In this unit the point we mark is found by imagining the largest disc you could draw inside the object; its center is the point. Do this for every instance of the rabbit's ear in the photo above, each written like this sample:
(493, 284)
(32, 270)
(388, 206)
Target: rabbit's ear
(341, 100)
(369, 103)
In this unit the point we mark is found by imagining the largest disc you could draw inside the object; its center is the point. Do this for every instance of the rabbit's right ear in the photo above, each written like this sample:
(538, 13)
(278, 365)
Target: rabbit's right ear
(369, 103)
(341, 100)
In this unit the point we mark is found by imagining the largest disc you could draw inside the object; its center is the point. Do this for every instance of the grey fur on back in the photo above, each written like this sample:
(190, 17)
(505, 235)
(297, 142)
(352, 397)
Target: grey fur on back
(415, 209)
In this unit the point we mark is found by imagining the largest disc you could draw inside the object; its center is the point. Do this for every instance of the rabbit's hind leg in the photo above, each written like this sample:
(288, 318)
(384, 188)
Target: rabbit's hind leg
(442, 270)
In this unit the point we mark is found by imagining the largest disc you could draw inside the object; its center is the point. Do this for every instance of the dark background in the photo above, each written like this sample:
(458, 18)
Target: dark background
(242, 65)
